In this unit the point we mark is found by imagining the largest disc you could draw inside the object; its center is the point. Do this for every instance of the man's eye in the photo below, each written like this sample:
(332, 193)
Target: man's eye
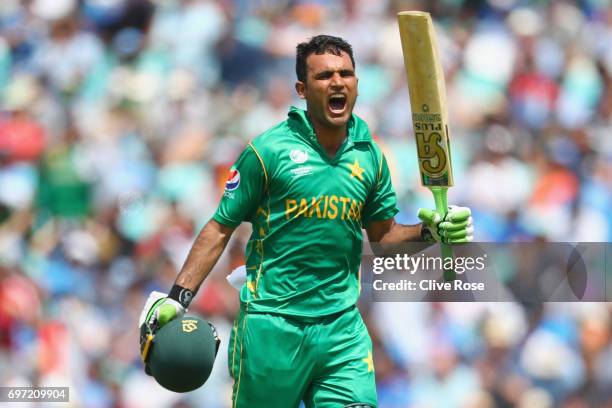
(324, 75)
(347, 73)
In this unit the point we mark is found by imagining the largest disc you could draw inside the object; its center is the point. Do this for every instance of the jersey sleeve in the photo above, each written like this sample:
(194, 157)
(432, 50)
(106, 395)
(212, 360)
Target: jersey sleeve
(243, 189)
(381, 203)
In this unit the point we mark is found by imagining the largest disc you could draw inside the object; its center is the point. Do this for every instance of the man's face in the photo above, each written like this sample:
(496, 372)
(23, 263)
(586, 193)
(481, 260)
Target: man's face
(330, 89)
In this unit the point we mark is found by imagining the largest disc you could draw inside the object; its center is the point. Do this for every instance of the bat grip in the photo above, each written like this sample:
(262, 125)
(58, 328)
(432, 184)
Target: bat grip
(440, 199)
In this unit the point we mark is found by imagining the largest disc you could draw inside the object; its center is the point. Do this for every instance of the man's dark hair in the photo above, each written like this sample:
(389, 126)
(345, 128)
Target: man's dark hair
(319, 44)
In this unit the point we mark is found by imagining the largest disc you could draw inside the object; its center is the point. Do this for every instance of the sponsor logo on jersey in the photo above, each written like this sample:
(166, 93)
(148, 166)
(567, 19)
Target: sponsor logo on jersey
(233, 180)
(298, 156)
(301, 171)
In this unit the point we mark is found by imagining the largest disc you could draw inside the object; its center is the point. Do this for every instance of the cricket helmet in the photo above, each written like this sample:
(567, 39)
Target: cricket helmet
(182, 353)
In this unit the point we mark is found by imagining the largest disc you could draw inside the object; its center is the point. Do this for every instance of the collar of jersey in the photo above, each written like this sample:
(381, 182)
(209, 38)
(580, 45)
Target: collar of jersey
(358, 131)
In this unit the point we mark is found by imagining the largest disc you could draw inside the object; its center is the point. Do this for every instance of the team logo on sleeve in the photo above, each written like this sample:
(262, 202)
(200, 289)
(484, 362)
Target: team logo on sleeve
(233, 180)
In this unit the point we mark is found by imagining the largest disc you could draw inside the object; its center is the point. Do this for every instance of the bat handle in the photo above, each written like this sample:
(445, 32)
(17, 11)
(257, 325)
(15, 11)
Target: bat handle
(439, 194)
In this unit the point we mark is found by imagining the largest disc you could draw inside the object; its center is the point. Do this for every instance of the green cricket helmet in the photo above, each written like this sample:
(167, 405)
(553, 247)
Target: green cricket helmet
(180, 355)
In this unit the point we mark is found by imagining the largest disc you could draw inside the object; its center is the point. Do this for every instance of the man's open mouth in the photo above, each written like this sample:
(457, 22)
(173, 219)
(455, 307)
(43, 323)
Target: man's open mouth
(337, 102)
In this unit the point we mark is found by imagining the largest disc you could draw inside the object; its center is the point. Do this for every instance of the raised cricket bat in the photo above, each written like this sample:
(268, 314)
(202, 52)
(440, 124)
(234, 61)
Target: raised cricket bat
(429, 113)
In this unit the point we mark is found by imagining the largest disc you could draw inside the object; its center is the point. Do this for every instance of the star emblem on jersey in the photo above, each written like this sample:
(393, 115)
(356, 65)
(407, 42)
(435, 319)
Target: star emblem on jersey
(356, 170)
(369, 361)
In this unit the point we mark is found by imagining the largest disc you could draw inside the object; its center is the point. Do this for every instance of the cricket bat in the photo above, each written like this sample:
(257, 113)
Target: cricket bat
(429, 112)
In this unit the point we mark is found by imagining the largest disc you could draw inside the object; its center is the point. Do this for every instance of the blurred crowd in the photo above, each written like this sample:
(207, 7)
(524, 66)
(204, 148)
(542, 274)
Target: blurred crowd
(120, 118)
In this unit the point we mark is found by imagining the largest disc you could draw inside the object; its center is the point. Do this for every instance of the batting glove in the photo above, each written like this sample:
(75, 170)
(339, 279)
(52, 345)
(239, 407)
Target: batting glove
(158, 311)
(455, 228)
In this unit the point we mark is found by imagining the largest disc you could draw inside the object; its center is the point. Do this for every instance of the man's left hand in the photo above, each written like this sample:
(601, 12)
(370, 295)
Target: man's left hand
(455, 228)
(158, 310)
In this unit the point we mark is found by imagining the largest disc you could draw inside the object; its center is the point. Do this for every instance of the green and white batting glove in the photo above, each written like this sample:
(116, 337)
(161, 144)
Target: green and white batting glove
(455, 228)
(159, 309)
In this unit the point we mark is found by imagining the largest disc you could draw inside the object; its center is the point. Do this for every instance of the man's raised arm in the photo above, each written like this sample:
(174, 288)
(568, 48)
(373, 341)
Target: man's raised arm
(455, 228)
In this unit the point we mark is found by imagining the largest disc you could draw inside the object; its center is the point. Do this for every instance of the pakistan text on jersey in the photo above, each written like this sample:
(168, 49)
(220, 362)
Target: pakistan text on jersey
(327, 207)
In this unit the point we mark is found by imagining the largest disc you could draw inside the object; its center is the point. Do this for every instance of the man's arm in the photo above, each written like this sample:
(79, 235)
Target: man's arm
(243, 190)
(160, 307)
(390, 232)
(204, 254)
(387, 235)
(246, 182)
(455, 228)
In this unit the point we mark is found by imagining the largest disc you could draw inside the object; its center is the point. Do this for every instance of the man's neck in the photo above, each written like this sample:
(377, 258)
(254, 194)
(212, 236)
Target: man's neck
(330, 138)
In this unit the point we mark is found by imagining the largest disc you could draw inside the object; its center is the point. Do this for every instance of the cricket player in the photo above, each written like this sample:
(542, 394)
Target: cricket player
(308, 186)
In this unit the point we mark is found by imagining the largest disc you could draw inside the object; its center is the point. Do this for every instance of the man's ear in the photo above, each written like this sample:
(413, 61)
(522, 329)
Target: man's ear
(300, 88)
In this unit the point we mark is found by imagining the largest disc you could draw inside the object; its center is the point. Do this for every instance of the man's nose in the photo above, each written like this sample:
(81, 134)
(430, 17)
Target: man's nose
(337, 81)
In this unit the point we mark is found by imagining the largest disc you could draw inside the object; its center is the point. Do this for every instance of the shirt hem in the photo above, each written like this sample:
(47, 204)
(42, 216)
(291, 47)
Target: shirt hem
(296, 316)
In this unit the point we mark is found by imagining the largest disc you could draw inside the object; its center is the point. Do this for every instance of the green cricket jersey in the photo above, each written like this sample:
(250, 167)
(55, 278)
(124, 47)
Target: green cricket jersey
(307, 212)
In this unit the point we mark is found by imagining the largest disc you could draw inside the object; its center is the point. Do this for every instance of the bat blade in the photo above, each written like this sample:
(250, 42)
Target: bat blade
(427, 98)
(429, 112)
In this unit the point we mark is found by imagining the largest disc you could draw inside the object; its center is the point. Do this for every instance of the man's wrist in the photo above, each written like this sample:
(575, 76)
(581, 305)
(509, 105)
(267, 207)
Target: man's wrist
(182, 295)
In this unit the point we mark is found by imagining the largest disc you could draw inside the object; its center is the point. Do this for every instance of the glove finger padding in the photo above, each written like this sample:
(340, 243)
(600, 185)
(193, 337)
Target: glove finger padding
(457, 214)
(158, 310)
(166, 312)
(429, 217)
(455, 226)
(152, 301)
(458, 241)
(464, 235)
(454, 234)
